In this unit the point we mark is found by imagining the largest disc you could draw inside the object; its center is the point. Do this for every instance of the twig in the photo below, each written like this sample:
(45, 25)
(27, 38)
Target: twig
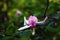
(46, 8)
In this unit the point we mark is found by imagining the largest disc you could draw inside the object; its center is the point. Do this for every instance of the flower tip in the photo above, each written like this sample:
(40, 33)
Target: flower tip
(46, 17)
(18, 29)
(33, 33)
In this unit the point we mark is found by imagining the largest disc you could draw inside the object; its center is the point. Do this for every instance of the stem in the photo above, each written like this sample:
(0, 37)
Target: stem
(46, 8)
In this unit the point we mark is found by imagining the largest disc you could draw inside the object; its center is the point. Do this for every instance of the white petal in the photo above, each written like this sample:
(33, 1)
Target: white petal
(45, 18)
(25, 21)
(25, 27)
(42, 22)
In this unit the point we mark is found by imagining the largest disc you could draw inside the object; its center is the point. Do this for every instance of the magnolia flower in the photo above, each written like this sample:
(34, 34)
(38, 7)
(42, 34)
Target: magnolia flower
(18, 12)
(31, 23)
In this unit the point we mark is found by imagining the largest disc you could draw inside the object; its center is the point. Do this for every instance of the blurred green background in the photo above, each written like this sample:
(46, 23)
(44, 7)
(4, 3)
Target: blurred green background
(10, 22)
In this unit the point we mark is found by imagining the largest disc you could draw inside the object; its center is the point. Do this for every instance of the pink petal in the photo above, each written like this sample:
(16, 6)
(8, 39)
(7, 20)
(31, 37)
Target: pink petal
(32, 21)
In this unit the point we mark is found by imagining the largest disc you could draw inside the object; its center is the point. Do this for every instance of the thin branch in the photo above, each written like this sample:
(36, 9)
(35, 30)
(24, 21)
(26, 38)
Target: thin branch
(46, 8)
